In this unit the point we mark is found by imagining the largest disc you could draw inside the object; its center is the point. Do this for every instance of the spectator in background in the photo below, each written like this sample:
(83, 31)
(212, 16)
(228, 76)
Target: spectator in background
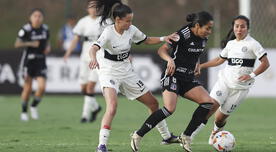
(66, 35)
(34, 38)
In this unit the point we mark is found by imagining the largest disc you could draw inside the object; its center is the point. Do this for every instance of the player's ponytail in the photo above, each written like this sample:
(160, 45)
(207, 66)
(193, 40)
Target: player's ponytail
(202, 18)
(231, 35)
(112, 8)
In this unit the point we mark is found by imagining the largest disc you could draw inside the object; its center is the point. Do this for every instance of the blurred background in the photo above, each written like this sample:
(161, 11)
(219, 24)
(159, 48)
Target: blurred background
(154, 18)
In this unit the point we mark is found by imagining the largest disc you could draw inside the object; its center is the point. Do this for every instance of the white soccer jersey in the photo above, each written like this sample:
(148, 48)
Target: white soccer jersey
(241, 56)
(115, 44)
(91, 29)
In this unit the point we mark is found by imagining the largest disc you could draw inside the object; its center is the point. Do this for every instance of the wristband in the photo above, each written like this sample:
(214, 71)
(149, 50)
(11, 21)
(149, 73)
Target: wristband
(162, 38)
(252, 75)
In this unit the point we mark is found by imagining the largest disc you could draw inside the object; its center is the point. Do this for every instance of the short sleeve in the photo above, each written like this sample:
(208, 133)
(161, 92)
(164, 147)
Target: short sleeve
(258, 50)
(224, 53)
(138, 36)
(22, 34)
(78, 29)
(102, 40)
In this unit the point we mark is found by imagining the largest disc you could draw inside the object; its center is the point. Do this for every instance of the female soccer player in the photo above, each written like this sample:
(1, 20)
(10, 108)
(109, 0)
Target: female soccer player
(34, 38)
(115, 69)
(90, 29)
(241, 52)
(178, 78)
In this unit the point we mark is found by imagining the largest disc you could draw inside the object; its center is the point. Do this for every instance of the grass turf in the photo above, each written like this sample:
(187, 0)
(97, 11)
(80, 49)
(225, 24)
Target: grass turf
(59, 129)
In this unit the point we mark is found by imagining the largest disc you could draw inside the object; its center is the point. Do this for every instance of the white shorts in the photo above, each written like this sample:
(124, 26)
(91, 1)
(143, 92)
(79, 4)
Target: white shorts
(86, 74)
(130, 85)
(228, 98)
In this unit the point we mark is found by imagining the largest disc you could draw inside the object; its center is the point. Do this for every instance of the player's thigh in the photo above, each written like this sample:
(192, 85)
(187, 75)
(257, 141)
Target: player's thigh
(235, 98)
(133, 87)
(199, 95)
(149, 100)
(219, 92)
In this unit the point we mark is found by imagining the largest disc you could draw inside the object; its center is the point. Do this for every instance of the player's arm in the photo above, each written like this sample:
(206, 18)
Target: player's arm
(157, 40)
(163, 52)
(212, 63)
(71, 48)
(48, 48)
(19, 43)
(260, 69)
(92, 53)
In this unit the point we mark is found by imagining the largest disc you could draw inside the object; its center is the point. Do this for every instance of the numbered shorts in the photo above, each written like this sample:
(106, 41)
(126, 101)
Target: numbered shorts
(178, 85)
(86, 74)
(229, 99)
(130, 85)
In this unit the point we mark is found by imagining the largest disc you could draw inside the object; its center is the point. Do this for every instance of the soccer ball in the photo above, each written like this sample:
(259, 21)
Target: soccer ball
(224, 141)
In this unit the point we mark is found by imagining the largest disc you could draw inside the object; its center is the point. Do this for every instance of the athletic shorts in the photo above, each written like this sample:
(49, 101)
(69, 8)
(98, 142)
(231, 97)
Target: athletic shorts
(86, 74)
(228, 98)
(130, 85)
(178, 85)
(35, 68)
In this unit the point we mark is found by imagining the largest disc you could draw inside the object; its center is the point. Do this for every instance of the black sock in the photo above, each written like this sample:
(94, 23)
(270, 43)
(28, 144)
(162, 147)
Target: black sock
(199, 117)
(36, 101)
(153, 120)
(24, 105)
(220, 125)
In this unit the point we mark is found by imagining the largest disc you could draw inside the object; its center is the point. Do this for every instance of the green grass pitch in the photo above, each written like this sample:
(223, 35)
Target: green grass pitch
(59, 129)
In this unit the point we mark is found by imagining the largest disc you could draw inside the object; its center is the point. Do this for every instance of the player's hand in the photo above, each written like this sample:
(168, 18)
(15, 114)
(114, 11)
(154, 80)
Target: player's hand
(35, 44)
(174, 37)
(197, 70)
(244, 78)
(93, 64)
(170, 67)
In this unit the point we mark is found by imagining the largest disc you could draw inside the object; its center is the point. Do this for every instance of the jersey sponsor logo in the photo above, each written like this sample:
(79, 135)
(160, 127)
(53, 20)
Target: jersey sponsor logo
(192, 43)
(195, 50)
(122, 56)
(236, 61)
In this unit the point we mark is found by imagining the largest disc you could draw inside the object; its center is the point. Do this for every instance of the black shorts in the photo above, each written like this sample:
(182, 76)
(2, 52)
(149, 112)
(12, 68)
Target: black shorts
(35, 69)
(178, 85)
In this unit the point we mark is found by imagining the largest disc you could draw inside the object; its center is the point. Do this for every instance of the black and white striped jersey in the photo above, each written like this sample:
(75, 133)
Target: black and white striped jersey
(186, 52)
(41, 34)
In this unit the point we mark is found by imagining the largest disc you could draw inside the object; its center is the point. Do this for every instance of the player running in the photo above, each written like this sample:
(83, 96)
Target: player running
(34, 38)
(89, 29)
(115, 70)
(178, 78)
(234, 81)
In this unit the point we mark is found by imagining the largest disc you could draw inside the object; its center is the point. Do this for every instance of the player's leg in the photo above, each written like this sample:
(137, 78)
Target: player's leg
(41, 81)
(25, 95)
(200, 116)
(110, 95)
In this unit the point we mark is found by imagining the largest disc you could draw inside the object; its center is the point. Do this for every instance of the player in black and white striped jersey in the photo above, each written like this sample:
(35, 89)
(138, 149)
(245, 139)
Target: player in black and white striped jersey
(34, 38)
(178, 78)
(232, 87)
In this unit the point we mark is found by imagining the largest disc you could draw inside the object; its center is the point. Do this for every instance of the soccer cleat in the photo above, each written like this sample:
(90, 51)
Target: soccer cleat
(101, 148)
(173, 139)
(24, 117)
(135, 142)
(83, 120)
(94, 114)
(34, 113)
(186, 142)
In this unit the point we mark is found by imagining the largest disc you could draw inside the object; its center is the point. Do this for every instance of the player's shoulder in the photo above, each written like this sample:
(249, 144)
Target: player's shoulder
(45, 27)
(84, 19)
(27, 27)
(253, 42)
(185, 32)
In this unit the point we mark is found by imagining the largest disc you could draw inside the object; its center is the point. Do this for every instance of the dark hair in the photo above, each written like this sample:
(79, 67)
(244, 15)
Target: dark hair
(105, 9)
(37, 10)
(231, 35)
(202, 18)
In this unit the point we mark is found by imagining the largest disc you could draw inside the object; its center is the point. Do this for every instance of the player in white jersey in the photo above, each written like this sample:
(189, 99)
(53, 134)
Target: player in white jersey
(237, 77)
(89, 29)
(115, 70)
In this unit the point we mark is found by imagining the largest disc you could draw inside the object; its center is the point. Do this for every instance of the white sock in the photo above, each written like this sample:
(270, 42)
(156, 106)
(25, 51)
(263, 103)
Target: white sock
(86, 110)
(163, 129)
(198, 129)
(93, 103)
(103, 136)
